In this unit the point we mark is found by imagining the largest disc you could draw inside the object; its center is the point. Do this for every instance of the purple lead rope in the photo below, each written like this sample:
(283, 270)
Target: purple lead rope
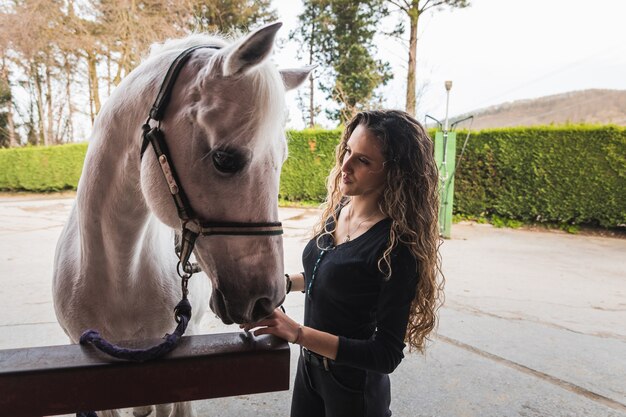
(183, 315)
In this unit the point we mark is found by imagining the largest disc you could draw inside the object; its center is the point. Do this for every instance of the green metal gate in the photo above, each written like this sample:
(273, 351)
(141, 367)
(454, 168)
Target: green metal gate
(445, 157)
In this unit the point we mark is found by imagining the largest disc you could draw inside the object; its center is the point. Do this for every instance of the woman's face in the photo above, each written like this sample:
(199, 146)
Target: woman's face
(363, 171)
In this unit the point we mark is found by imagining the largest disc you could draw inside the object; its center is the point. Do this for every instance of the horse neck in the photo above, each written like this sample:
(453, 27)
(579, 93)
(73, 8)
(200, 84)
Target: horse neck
(114, 219)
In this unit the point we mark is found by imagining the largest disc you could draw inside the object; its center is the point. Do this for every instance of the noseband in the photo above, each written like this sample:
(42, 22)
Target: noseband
(192, 226)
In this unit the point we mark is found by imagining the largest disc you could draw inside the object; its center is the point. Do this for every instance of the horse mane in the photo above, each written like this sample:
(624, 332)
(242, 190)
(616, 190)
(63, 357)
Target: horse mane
(187, 42)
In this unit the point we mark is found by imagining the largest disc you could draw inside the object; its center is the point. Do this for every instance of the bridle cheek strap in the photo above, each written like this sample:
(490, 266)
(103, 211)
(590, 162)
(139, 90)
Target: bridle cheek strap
(155, 137)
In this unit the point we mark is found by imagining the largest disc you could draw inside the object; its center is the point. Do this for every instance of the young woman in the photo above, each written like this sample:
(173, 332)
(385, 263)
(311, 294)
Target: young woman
(371, 272)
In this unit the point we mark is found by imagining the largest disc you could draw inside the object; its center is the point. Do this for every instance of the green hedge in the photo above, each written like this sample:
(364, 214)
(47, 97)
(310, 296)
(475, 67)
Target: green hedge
(567, 175)
(311, 156)
(50, 168)
(572, 174)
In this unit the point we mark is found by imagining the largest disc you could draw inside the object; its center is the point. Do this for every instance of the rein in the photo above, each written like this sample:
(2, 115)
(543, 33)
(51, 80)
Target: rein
(191, 225)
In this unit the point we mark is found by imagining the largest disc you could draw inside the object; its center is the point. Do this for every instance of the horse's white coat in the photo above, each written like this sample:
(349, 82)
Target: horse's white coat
(115, 266)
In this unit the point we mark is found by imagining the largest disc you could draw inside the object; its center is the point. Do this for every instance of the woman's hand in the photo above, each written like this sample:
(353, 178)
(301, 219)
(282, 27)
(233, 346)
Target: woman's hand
(278, 324)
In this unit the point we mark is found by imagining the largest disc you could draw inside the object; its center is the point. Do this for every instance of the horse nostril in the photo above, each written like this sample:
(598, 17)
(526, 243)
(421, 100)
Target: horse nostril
(262, 308)
(218, 305)
(219, 296)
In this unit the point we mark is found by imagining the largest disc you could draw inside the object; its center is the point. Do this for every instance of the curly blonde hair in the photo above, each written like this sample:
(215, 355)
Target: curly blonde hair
(410, 200)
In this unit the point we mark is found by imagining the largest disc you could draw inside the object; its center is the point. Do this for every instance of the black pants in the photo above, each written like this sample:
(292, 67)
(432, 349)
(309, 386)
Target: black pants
(339, 391)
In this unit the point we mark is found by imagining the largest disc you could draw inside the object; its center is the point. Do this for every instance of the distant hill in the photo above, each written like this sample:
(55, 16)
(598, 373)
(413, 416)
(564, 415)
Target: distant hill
(586, 106)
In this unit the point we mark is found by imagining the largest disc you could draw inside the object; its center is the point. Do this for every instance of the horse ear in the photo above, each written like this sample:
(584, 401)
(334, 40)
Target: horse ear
(293, 77)
(251, 51)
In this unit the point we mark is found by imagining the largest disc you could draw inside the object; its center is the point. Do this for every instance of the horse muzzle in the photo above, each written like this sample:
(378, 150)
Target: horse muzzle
(241, 309)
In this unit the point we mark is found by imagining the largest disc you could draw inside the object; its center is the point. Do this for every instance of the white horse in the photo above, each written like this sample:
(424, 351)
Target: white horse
(115, 265)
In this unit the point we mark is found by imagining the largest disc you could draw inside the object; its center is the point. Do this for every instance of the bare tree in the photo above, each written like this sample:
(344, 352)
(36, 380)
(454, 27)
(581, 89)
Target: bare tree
(29, 60)
(54, 48)
(8, 135)
(35, 54)
(7, 126)
(229, 15)
(78, 43)
(123, 30)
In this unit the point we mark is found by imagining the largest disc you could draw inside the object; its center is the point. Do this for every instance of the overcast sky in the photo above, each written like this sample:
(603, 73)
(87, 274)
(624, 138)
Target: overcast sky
(497, 51)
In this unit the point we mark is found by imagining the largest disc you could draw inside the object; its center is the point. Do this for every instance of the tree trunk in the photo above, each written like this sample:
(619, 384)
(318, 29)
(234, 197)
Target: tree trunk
(10, 123)
(414, 14)
(41, 135)
(120, 67)
(90, 90)
(70, 106)
(50, 137)
(109, 81)
(125, 65)
(312, 83)
(93, 85)
(311, 102)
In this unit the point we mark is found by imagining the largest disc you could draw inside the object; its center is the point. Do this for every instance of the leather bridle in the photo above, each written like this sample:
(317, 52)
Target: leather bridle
(191, 225)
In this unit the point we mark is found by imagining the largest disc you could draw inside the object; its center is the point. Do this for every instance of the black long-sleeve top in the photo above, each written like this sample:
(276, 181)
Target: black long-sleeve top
(349, 297)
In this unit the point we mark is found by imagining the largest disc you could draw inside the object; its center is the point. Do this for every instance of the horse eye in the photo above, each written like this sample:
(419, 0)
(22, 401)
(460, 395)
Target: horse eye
(226, 162)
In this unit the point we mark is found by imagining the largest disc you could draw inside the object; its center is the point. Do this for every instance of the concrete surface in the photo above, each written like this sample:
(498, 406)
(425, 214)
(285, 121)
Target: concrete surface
(534, 322)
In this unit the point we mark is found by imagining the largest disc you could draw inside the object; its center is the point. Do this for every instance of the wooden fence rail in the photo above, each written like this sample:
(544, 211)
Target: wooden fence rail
(56, 380)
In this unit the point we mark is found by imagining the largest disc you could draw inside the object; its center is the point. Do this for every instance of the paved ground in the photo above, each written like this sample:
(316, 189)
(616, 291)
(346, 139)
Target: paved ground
(534, 322)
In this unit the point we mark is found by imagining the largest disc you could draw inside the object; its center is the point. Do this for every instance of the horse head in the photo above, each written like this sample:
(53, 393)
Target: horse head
(224, 127)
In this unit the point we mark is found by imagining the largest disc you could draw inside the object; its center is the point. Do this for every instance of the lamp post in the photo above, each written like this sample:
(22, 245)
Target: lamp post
(448, 85)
